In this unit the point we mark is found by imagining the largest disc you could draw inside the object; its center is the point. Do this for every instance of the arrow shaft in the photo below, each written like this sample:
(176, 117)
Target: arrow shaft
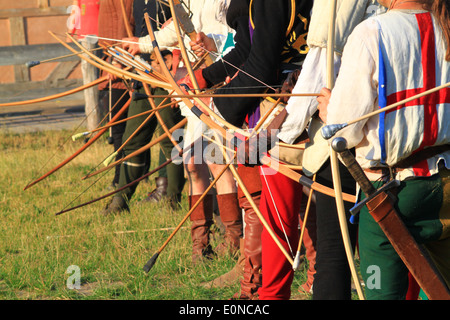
(143, 149)
(56, 96)
(83, 148)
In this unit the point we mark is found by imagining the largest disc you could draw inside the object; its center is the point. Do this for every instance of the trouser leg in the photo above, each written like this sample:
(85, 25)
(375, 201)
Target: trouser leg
(173, 171)
(419, 206)
(280, 206)
(333, 278)
(118, 98)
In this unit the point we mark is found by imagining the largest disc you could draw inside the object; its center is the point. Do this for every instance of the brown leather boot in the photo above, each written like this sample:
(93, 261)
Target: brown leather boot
(201, 221)
(231, 217)
(159, 192)
(252, 279)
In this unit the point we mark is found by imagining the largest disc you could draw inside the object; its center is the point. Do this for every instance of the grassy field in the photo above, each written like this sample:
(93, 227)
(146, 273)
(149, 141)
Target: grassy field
(38, 249)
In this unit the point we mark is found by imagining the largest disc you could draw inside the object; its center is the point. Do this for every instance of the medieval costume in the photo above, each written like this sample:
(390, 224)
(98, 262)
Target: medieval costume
(111, 25)
(333, 278)
(138, 165)
(207, 18)
(383, 66)
(274, 48)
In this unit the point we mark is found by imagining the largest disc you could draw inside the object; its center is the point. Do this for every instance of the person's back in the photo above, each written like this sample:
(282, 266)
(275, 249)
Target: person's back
(403, 66)
(387, 59)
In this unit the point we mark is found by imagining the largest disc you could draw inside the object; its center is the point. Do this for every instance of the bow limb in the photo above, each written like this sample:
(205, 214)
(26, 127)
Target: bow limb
(91, 141)
(83, 148)
(158, 116)
(303, 180)
(174, 84)
(125, 19)
(256, 208)
(117, 190)
(115, 153)
(305, 218)
(334, 161)
(122, 120)
(241, 95)
(128, 29)
(262, 125)
(101, 64)
(146, 88)
(121, 188)
(214, 125)
(152, 260)
(139, 151)
(265, 160)
(56, 96)
(342, 221)
(261, 122)
(183, 19)
(182, 46)
(191, 72)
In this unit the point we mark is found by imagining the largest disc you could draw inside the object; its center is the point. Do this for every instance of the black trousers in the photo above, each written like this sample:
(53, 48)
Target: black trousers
(139, 165)
(118, 98)
(332, 280)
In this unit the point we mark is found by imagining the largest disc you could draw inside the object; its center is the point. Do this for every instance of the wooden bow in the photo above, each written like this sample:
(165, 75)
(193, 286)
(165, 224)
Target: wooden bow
(335, 161)
(207, 119)
(56, 96)
(80, 150)
(91, 141)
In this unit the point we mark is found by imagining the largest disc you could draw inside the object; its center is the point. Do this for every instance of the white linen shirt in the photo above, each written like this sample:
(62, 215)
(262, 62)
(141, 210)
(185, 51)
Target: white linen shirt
(205, 18)
(349, 13)
(356, 90)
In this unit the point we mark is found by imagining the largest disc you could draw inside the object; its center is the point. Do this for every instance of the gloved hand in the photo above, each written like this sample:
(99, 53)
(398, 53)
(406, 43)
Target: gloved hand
(202, 84)
(250, 151)
(186, 85)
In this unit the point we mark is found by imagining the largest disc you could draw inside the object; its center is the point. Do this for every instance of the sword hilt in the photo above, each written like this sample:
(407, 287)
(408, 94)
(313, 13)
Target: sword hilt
(340, 146)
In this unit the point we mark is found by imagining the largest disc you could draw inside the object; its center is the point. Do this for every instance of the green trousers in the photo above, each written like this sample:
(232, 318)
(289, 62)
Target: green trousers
(420, 205)
(139, 165)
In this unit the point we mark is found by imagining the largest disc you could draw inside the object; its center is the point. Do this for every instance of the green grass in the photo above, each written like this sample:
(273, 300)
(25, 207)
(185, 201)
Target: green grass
(37, 247)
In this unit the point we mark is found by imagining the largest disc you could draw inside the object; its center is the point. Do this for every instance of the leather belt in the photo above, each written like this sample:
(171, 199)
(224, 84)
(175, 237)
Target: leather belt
(410, 161)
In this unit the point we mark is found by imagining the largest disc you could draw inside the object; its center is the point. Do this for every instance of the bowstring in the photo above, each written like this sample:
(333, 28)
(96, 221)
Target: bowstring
(278, 213)
(218, 55)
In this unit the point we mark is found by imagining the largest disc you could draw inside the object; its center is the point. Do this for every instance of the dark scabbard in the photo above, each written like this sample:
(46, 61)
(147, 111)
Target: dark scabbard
(381, 208)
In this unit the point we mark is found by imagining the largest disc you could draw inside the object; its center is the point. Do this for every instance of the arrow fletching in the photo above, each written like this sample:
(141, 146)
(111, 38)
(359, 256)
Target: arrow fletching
(79, 135)
(330, 130)
(109, 159)
(296, 263)
(150, 263)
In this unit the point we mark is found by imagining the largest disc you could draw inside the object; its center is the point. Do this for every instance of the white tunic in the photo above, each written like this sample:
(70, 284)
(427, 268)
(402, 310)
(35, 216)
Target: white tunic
(413, 53)
(312, 79)
(207, 17)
